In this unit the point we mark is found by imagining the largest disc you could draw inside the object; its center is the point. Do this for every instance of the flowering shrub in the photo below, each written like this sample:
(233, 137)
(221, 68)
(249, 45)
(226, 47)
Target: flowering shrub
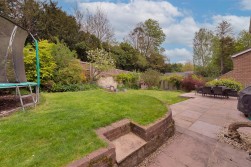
(188, 83)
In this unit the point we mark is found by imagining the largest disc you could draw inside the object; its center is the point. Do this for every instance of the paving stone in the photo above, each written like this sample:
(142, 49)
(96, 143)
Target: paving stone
(206, 129)
(199, 120)
(182, 123)
(127, 144)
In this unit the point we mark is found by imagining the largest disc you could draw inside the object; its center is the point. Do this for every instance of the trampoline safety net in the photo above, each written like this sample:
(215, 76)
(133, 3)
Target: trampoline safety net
(12, 39)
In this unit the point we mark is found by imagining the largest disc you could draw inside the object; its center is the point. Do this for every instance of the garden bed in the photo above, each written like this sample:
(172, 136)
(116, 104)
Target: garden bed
(11, 103)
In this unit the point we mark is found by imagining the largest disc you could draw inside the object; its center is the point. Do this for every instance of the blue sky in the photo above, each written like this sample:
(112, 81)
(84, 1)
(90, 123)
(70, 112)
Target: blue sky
(180, 19)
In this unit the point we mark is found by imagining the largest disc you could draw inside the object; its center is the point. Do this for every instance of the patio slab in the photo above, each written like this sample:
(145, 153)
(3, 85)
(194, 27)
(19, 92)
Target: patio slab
(127, 144)
(198, 120)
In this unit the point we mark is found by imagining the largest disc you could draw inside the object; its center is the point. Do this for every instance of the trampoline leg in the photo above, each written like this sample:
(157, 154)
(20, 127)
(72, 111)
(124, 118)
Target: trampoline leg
(20, 97)
(33, 99)
(37, 94)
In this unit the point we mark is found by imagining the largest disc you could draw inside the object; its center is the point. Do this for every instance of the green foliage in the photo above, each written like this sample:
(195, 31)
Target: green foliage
(222, 51)
(58, 65)
(73, 87)
(202, 47)
(156, 61)
(69, 70)
(243, 41)
(127, 58)
(175, 80)
(210, 71)
(151, 78)
(102, 61)
(129, 80)
(86, 42)
(155, 32)
(230, 83)
(188, 66)
(189, 82)
(47, 61)
(176, 67)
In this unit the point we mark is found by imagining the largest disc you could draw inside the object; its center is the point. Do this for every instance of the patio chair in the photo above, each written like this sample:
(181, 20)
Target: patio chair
(218, 91)
(233, 93)
(207, 91)
(198, 89)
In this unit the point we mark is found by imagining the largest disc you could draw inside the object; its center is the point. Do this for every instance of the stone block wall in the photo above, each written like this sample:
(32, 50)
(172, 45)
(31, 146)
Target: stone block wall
(154, 134)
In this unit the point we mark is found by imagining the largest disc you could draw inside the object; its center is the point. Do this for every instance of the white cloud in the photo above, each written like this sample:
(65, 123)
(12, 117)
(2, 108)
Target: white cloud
(245, 4)
(179, 54)
(181, 32)
(124, 16)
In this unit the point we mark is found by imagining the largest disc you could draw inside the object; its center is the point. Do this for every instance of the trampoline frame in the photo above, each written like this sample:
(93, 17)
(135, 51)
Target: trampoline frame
(29, 85)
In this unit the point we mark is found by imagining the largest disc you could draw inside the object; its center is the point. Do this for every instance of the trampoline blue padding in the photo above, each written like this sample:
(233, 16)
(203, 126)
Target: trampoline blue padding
(13, 85)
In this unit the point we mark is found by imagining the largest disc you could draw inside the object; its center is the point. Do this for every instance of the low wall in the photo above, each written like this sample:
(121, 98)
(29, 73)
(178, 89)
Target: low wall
(154, 134)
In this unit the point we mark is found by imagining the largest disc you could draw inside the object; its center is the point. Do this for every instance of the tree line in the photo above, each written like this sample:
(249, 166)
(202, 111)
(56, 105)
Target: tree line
(213, 49)
(84, 31)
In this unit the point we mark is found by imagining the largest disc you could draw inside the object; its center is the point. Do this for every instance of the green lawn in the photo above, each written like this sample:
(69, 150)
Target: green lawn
(62, 128)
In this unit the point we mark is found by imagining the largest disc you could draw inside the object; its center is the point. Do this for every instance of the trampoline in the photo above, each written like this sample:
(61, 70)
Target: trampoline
(12, 70)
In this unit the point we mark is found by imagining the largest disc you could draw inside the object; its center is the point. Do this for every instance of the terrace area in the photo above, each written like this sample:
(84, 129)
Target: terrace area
(200, 123)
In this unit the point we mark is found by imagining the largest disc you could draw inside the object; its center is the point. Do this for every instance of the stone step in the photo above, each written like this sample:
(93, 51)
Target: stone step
(126, 145)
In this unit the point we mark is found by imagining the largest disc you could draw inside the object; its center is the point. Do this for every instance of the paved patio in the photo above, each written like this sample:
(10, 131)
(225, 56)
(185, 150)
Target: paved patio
(198, 120)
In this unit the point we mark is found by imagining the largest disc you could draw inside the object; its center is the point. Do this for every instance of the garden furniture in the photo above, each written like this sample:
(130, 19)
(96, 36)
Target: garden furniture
(207, 91)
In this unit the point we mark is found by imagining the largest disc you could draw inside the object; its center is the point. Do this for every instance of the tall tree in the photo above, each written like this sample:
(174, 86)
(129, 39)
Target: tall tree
(42, 18)
(224, 34)
(147, 37)
(243, 41)
(188, 66)
(127, 58)
(99, 25)
(202, 47)
(24, 12)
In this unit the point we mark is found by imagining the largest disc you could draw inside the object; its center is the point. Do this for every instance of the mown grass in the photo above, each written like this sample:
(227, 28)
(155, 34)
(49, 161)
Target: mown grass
(62, 128)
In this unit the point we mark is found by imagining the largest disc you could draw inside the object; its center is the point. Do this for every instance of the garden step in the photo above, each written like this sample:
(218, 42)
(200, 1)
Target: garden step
(126, 145)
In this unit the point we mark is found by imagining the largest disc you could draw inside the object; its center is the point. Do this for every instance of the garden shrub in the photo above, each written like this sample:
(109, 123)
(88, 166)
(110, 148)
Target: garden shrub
(175, 80)
(59, 67)
(47, 61)
(101, 61)
(230, 83)
(73, 87)
(189, 82)
(151, 78)
(69, 70)
(128, 80)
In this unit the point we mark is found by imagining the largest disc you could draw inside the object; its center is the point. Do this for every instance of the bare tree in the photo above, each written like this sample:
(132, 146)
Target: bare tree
(99, 25)
(137, 38)
(79, 16)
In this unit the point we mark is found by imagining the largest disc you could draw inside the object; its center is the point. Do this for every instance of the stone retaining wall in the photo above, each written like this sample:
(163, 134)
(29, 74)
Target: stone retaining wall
(154, 134)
